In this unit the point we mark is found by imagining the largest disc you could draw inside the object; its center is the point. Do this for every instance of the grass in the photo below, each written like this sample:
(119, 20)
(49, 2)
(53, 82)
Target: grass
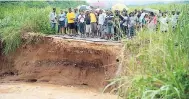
(21, 17)
(155, 64)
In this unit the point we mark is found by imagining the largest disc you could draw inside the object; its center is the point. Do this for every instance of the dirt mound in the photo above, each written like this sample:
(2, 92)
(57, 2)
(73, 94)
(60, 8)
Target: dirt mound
(63, 61)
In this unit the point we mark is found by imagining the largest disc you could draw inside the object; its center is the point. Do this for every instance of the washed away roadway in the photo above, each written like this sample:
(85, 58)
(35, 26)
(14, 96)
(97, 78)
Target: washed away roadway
(21, 90)
(48, 91)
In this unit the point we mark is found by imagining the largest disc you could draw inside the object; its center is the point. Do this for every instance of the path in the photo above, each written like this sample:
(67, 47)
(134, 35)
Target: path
(48, 91)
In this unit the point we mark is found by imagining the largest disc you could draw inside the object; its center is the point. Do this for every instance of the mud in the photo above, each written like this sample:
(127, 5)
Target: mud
(61, 61)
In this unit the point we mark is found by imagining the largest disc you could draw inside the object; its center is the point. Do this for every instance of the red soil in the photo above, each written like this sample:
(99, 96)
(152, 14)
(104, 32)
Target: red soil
(61, 61)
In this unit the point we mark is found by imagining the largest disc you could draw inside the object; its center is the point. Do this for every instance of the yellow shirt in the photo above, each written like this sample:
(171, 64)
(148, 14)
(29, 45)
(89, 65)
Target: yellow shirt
(70, 17)
(93, 17)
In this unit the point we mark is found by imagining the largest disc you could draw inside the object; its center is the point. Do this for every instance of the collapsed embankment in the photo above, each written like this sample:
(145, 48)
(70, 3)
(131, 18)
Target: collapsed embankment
(61, 61)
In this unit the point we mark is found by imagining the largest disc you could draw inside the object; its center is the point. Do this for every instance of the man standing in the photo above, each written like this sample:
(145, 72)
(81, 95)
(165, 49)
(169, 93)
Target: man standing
(132, 24)
(71, 18)
(81, 21)
(101, 21)
(53, 20)
(109, 25)
(88, 26)
(93, 24)
(61, 20)
(76, 20)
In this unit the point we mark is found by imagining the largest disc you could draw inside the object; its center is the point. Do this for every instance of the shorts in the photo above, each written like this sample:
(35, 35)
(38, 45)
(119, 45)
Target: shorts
(88, 28)
(71, 25)
(62, 23)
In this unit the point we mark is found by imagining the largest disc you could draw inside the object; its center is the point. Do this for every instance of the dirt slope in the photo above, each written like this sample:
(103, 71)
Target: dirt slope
(61, 61)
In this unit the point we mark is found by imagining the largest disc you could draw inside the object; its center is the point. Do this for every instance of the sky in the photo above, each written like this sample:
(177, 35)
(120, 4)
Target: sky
(131, 2)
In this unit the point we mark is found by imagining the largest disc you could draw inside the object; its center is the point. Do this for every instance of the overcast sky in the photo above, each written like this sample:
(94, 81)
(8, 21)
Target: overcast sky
(131, 2)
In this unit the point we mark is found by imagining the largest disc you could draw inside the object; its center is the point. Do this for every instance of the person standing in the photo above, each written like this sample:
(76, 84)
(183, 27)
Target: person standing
(174, 19)
(125, 23)
(101, 20)
(109, 25)
(132, 24)
(81, 22)
(152, 22)
(117, 17)
(145, 21)
(164, 23)
(88, 25)
(142, 19)
(93, 20)
(76, 20)
(53, 20)
(61, 20)
(71, 18)
(66, 23)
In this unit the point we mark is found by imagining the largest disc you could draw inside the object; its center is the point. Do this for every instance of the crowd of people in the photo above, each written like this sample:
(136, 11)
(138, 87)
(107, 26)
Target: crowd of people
(111, 24)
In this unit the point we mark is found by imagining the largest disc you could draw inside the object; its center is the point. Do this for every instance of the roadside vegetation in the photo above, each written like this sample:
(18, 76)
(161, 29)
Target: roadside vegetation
(154, 64)
(32, 16)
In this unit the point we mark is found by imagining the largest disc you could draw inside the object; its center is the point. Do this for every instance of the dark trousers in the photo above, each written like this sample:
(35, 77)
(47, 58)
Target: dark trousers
(82, 28)
(76, 27)
(125, 30)
(94, 28)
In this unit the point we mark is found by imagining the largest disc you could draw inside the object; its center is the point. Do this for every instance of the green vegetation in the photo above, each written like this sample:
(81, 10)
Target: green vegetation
(30, 16)
(155, 64)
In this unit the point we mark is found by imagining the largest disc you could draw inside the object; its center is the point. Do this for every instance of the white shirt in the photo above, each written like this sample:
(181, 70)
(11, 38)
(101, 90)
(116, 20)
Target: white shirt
(132, 21)
(141, 17)
(81, 18)
(163, 24)
(126, 21)
(101, 19)
(174, 19)
(53, 17)
(62, 17)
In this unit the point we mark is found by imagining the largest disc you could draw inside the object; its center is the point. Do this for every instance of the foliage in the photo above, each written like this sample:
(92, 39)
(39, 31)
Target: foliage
(157, 64)
(26, 16)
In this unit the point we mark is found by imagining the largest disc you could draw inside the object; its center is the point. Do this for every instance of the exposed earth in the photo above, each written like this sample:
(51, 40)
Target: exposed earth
(48, 91)
(58, 60)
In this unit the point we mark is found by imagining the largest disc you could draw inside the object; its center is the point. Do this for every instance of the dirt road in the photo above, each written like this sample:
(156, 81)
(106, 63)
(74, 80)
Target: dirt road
(48, 91)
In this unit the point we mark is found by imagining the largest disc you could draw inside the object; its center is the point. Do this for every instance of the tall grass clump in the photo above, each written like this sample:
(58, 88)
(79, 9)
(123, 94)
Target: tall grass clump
(18, 17)
(155, 64)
